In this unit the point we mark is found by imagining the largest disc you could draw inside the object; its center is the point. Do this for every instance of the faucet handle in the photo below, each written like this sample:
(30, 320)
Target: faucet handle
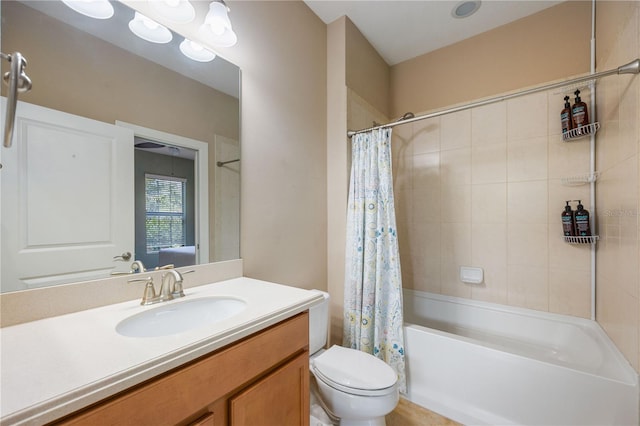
(149, 297)
(177, 290)
(177, 285)
(161, 268)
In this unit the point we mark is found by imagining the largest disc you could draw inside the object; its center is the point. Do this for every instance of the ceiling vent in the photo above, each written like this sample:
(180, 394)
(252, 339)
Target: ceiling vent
(465, 9)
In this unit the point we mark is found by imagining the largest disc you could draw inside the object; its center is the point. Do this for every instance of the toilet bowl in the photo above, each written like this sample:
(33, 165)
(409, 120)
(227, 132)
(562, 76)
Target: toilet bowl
(355, 387)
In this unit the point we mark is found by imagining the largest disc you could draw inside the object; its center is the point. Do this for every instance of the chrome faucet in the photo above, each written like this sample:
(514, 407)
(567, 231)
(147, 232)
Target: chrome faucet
(150, 297)
(177, 290)
(167, 291)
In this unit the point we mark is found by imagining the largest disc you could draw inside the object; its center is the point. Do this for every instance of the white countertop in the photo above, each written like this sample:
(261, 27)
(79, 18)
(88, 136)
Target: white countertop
(53, 367)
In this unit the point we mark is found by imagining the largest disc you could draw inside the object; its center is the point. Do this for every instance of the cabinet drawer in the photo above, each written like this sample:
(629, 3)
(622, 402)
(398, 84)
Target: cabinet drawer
(187, 390)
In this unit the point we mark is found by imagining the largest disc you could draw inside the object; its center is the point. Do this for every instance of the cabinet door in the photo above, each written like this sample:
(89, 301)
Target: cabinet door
(206, 420)
(279, 399)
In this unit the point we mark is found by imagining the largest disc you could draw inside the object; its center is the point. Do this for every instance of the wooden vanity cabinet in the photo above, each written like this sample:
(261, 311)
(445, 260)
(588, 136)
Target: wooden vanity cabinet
(276, 399)
(262, 380)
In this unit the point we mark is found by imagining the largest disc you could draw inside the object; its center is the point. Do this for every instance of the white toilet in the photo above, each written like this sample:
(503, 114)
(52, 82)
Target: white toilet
(353, 386)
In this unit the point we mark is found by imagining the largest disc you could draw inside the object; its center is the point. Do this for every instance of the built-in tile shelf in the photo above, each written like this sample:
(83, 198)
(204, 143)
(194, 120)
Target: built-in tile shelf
(581, 240)
(581, 132)
(582, 179)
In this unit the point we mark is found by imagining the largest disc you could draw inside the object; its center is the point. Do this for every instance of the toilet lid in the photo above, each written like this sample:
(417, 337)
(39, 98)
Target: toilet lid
(354, 369)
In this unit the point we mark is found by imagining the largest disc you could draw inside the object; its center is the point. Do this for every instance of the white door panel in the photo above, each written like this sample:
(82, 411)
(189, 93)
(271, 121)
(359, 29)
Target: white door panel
(67, 199)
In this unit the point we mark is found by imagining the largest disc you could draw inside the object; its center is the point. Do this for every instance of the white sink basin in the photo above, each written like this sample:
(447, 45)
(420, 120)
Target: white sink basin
(174, 318)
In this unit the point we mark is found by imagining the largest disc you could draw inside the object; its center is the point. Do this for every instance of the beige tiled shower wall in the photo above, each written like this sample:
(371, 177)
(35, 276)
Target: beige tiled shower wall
(618, 187)
(483, 188)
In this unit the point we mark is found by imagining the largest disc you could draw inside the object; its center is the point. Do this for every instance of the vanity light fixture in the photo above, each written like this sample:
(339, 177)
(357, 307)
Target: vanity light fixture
(193, 50)
(217, 25)
(97, 9)
(149, 30)
(176, 11)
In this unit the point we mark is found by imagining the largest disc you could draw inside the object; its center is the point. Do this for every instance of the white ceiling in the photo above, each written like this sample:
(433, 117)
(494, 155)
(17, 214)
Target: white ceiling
(401, 30)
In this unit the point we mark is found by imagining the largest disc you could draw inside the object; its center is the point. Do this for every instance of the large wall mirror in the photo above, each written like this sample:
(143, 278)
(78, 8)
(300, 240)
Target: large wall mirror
(122, 147)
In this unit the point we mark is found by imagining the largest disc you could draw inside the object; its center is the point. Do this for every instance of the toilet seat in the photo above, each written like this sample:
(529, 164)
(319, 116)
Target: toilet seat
(353, 391)
(354, 372)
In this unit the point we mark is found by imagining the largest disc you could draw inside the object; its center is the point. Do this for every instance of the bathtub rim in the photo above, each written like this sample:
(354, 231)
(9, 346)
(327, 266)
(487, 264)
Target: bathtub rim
(632, 378)
(467, 413)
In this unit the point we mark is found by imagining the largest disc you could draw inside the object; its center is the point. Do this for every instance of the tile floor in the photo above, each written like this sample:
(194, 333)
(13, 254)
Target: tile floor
(410, 414)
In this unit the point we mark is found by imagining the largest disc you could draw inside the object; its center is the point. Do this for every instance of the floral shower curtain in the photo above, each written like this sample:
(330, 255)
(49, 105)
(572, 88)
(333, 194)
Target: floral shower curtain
(373, 315)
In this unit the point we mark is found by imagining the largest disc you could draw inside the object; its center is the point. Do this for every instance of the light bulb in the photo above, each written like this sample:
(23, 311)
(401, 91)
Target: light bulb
(152, 25)
(217, 18)
(149, 30)
(217, 27)
(177, 11)
(97, 9)
(195, 51)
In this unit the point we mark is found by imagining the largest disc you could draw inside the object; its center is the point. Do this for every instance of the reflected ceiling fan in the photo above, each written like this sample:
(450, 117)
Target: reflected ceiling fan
(160, 148)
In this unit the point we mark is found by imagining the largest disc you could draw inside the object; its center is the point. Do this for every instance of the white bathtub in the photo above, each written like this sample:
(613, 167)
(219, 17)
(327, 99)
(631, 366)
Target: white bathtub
(482, 363)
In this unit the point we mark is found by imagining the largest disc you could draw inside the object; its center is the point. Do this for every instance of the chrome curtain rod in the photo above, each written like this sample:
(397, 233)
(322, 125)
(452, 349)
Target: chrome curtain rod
(632, 67)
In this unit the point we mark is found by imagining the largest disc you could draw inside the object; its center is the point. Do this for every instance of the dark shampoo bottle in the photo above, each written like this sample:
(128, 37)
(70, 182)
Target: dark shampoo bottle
(565, 116)
(583, 229)
(568, 224)
(579, 114)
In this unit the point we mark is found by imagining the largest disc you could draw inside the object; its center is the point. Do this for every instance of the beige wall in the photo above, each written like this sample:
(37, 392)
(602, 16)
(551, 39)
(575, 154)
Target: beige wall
(618, 187)
(366, 72)
(547, 46)
(337, 171)
(284, 128)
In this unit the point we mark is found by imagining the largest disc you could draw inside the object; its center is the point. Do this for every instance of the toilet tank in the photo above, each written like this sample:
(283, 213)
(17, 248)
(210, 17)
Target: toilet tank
(318, 323)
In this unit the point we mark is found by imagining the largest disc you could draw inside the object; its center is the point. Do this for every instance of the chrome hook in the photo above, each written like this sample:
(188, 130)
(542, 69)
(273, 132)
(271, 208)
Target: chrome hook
(24, 82)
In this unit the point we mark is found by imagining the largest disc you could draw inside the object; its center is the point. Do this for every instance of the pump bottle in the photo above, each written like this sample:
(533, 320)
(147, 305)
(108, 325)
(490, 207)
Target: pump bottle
(568, 222)
(583, 229)
(579, 114)
(565, 116)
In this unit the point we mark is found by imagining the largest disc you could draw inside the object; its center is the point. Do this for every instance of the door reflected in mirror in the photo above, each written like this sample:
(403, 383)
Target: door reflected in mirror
(72, 197)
